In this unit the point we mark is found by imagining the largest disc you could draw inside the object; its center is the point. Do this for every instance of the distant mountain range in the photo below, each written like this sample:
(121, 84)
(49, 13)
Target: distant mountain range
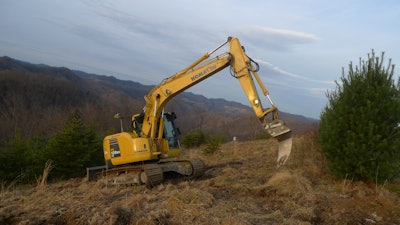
(36, 99)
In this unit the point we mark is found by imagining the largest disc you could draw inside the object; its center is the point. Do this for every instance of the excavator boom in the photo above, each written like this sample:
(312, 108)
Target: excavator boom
(243, 70)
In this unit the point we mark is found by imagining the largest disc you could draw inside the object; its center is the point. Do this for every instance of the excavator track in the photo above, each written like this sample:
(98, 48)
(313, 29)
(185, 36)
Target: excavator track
(151, 175)
(198, 167)
(148, 174)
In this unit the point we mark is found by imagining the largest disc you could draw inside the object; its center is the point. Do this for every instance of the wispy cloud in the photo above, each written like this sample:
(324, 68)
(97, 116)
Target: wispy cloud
(318, 92)
(296, 84)
(280, 71)
(277, 39)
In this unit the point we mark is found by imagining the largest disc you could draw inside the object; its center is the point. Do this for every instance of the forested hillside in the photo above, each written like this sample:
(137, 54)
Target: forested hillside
(36, 100)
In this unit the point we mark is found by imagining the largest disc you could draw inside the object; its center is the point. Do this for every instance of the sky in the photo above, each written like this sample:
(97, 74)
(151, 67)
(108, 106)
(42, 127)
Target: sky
(301, 46)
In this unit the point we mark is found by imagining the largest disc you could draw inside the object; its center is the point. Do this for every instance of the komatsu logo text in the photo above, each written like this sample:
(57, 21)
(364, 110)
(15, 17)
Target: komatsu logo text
(204, 72)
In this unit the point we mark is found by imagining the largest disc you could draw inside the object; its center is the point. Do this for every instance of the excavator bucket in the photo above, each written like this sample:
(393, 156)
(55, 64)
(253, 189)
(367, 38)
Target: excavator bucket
(283, 134)
(285, 148)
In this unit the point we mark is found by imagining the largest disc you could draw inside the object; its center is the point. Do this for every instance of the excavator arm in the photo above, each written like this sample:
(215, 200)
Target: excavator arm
(244, 71)
(242, 68)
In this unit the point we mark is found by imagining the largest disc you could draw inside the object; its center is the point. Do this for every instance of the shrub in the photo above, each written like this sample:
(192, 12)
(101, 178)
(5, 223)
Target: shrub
(22, 159)
(194, 139)
(359, 130)
(213, 144)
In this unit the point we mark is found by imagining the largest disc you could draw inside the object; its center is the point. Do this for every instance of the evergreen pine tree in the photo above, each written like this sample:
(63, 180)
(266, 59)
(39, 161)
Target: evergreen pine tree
(12, 162)
(74, 148)
(22, 160)
(359, 130)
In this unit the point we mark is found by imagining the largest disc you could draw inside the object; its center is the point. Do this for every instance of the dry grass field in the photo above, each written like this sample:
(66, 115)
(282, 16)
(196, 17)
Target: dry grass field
(240, 186)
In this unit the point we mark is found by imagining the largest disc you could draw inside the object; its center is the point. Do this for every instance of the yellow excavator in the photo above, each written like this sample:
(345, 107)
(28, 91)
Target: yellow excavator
(152, 149)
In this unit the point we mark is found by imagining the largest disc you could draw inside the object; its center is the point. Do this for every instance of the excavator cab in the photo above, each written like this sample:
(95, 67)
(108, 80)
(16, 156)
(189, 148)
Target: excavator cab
(170, 131)
(137, 122)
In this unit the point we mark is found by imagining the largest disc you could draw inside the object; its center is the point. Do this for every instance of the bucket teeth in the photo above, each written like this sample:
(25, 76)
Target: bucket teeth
(285, 148)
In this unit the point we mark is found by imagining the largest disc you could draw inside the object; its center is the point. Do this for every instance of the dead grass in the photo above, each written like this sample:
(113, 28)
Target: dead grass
(42, 180)
(241, 186)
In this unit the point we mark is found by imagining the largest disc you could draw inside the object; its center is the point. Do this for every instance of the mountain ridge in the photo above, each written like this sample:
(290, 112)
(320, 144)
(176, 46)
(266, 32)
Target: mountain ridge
(100, 96)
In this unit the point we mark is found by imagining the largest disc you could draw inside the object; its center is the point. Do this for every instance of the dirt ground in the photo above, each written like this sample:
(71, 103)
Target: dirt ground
(240, 186)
